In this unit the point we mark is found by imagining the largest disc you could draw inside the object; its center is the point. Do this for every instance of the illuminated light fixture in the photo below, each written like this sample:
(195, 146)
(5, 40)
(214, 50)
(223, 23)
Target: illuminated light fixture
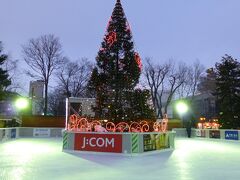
(203, 119)
(21, 103)
(182, 107)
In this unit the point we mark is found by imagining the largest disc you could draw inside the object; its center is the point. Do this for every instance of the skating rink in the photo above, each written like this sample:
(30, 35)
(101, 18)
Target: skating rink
(43, 159)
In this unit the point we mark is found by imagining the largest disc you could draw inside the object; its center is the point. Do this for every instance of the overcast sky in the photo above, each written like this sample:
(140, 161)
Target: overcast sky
(184, 30)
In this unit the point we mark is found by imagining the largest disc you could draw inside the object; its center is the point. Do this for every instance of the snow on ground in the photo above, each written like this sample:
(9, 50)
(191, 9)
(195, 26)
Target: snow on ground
(197, 159)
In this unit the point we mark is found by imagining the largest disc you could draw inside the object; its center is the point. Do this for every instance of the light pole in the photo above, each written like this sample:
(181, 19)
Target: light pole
(21, 104)
(182, 108)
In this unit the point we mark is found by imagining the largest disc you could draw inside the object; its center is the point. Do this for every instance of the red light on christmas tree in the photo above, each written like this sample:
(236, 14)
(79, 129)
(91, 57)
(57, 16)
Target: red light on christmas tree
(138, 60)
(111, 38)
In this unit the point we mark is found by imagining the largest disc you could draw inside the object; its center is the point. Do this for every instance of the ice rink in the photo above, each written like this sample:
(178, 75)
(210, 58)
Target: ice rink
(33, 159)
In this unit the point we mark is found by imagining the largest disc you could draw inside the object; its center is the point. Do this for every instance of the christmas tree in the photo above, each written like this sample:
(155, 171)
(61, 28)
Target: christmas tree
(117, 70)
(140, 109)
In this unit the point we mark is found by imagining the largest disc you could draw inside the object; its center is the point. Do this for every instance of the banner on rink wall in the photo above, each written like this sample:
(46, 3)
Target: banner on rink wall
(231, 135)
(41, 132)
(98, 142)
(200, 133)
(153, 142)
(214, 134)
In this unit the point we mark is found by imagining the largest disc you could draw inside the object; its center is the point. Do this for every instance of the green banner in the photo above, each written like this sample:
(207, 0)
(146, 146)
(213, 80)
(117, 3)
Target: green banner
(65, 140)
(135, 143)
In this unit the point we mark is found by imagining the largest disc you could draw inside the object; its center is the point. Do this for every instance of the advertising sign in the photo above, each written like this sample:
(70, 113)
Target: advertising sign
(98, 142)
(200, 133)
(41, 132)
(214, 134)
(231, 135)
(153, 142)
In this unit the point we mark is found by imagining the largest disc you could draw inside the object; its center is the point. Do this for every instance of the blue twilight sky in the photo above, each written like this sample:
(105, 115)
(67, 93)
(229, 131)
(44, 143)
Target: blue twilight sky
(184, 30)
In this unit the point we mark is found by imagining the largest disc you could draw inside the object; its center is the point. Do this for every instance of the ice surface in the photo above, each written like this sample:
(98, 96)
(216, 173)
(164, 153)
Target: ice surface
(200, 159)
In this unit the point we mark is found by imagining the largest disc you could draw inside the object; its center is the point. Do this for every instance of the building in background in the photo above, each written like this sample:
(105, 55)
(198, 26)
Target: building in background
(82, 106)
(36, 90)
(205, 106)
(202, 108)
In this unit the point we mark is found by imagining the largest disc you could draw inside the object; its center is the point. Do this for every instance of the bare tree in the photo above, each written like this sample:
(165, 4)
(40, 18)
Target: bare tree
(74, 76)
(56, 103)
(164, 80)
(11, 66)
(190, 86)
(155, 75)
(43, 55)
(175, 79)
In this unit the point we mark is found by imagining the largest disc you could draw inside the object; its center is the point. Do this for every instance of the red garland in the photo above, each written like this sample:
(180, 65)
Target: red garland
(138, 60)
(111, 38)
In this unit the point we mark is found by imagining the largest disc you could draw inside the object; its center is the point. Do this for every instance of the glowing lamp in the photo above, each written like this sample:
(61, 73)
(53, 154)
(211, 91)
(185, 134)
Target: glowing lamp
(21, 103)
(182, 107)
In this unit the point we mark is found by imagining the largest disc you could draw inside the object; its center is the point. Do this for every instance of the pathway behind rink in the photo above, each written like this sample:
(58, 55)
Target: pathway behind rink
(43, 159)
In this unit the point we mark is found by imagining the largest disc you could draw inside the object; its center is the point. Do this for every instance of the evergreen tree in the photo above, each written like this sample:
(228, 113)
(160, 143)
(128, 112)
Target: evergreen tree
(4, 77)
(139, 103)
(228, 91)
(208, 83)
(117, 69)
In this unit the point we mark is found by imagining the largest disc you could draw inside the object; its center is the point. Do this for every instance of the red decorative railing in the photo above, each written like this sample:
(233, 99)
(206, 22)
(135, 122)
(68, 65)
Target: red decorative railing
(81, 124)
